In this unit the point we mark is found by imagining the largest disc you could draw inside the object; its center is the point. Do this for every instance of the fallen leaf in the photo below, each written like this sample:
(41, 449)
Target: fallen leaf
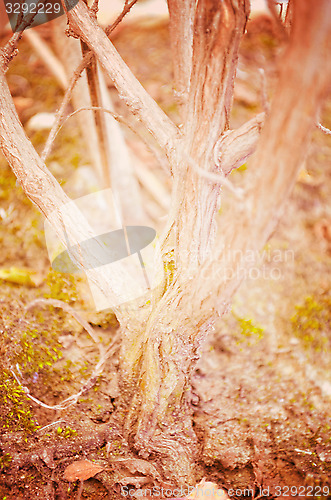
(82, 470)
(18, 276)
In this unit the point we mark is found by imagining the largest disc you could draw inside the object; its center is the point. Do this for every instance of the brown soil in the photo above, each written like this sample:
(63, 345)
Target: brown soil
(263, 385)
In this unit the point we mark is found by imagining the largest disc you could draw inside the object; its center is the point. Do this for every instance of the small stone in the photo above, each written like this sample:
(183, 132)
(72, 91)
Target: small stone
(41, 121)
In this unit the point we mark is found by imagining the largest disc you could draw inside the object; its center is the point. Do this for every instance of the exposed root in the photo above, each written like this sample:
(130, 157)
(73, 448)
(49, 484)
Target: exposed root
(104, 356)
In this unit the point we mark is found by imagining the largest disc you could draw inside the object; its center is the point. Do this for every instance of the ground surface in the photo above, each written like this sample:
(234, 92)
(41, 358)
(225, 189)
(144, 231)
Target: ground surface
(263, 385)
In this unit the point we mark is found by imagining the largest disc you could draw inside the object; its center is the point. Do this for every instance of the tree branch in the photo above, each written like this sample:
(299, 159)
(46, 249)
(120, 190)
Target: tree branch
(234, 147)
(181, 13)
(305, 73)
(43, 190)
(218, 29)
(130, 90)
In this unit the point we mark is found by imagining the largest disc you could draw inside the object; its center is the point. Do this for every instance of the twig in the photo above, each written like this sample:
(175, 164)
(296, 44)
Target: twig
(219, 178)
(163, 163)
(326, 131)
(305, 452)
(126, 9)
(70, 310)
(117, 117)
(9, 51)
(71, 400)
(65, 102)
(50, 425)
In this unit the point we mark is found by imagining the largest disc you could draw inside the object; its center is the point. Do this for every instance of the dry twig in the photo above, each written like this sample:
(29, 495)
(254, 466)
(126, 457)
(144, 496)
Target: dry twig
(104, 355)
(326, 131)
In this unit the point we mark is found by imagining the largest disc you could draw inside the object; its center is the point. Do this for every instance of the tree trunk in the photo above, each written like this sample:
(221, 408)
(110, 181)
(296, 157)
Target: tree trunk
(158, 353)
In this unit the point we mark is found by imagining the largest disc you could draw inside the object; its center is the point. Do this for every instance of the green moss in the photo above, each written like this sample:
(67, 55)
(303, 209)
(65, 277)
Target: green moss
(36, 350)
(62, 286)
(66, 432)
(311, 324)
(169, 267)
(5, 460)
(248, 332)
(15, 413)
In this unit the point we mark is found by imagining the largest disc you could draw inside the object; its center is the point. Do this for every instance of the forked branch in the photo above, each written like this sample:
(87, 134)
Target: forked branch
(305, 73)
(235, 146)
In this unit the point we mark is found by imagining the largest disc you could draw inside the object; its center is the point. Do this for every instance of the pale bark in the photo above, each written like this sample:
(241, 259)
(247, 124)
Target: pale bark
(181, 14)
(218, 29)
(234, 147)
(305, 75)
(156, 356)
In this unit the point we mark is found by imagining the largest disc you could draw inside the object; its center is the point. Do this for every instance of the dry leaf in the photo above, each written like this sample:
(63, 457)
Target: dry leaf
(19, 276)
(82, 470)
